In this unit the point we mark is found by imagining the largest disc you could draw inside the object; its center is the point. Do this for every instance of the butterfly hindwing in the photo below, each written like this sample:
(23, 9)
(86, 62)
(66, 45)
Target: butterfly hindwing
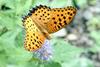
(34, 39)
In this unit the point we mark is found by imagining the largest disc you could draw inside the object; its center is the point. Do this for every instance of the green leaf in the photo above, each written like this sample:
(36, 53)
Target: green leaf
(63, 51)
(52, 64)
(78, 62)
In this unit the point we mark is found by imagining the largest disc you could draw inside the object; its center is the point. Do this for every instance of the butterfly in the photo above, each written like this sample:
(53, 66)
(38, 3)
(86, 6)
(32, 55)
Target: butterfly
(42, 21)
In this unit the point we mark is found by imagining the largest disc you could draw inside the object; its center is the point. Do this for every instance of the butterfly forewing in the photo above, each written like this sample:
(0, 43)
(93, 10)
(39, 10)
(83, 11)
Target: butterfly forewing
(60, 17)
(53, 19)
(41, 15)
(34, 39)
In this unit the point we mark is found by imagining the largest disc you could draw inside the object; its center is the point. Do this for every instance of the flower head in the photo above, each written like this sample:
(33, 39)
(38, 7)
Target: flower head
(45, 52)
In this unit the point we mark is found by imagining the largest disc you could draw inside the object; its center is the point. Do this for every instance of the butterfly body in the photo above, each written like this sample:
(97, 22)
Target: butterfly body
(42, 21)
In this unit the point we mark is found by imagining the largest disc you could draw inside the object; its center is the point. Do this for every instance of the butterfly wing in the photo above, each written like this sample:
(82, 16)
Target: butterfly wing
(34, 39)
(51, 20)
(60, 17)
(54, 19)
(41, 14)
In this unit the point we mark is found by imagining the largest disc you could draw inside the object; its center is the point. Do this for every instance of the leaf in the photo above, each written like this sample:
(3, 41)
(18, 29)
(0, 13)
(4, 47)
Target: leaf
(78, 62)
(52, 64)
(63, 51)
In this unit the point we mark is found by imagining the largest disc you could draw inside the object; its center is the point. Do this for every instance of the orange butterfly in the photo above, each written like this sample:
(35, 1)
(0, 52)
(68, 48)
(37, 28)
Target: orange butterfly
(42, 21)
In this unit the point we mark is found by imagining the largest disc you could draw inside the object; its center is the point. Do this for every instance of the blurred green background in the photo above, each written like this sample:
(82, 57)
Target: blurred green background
(78, 45)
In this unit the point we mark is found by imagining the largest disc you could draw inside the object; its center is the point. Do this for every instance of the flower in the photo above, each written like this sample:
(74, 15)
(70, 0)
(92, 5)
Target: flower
(45, 52)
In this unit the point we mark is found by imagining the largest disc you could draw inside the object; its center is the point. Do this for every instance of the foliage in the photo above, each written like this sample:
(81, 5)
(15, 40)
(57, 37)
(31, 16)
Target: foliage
(12, 52)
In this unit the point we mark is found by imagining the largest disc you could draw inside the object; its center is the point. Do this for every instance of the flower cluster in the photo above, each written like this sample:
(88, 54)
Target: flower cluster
(45, 52)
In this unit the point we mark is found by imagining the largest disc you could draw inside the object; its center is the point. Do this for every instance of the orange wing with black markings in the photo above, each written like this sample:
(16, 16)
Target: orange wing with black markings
(34, 39)
(41, 14)
(60, 17)
(53, 19)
